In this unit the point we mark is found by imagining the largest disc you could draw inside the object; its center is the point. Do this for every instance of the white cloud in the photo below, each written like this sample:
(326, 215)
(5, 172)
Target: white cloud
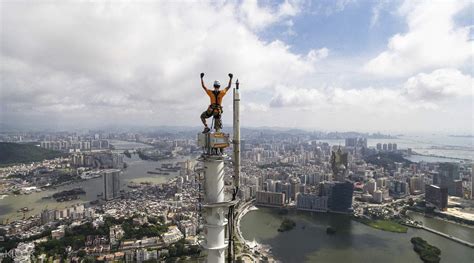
(254, 107)
(139, 63)
(422, 91)
(317, 54)
(258, 16)
(438, 85)
(296, 97)
(432, 41)
(95, 60)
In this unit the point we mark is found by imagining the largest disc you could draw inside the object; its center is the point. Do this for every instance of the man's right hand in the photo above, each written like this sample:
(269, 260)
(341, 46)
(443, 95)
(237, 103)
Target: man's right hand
(202, 75)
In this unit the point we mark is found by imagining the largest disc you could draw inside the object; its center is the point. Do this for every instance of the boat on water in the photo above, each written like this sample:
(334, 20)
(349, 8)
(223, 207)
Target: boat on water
(25, 209)
(67, 198)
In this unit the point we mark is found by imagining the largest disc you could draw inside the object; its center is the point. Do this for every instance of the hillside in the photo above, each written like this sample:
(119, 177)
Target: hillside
(387, 160)
(11, 153)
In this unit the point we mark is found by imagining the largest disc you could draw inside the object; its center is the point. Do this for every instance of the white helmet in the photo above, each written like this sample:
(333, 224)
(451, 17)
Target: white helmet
(217, 83)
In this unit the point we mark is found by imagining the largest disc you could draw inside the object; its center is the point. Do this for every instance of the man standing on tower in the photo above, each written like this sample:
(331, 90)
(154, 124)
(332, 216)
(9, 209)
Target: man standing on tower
(215, 108)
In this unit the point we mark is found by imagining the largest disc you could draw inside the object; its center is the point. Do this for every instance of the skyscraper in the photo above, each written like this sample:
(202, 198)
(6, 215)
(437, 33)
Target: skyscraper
(437, 196)
(416, 185)
(340, 197)
(379, 146)
(448, 173)
(111, 183)
(294, 187)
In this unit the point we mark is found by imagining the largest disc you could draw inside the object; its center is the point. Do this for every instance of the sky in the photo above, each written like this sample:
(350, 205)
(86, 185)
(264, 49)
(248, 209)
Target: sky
(332, 65)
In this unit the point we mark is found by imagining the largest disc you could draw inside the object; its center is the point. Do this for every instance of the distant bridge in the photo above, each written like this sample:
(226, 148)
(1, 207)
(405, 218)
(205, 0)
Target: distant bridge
(466, 243)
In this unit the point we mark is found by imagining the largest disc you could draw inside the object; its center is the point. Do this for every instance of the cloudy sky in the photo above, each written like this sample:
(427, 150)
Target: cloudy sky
(396, 66)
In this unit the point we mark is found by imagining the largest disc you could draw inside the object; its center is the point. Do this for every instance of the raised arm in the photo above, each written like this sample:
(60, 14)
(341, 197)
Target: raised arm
(202, 82)
(230, 81)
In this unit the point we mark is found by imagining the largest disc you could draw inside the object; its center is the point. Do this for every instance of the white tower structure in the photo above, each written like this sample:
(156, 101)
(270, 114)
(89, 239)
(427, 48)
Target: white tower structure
(215, 206)
(215, 209)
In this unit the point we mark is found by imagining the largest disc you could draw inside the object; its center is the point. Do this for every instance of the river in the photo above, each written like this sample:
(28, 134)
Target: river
(136, 172)
(354, 242)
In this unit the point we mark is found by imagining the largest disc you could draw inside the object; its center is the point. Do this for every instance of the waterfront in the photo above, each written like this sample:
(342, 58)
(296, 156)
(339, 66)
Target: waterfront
(463, 232)
(353, 242)
(136, 172)
(453, 148)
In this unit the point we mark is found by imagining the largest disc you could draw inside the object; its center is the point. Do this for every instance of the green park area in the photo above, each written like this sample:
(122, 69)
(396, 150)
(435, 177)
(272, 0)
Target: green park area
(385, 225)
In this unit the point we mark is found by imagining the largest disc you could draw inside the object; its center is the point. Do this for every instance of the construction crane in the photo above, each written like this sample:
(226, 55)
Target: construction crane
(215, 207)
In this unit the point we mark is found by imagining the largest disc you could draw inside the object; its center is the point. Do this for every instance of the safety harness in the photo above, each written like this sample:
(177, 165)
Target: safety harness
(216, 106)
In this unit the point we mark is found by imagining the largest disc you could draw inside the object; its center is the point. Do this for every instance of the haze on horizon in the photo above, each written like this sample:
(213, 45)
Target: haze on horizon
(388, 66)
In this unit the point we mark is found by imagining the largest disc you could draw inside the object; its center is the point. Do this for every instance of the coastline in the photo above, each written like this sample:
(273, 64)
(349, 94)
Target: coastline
(444, 217)
(251, 247)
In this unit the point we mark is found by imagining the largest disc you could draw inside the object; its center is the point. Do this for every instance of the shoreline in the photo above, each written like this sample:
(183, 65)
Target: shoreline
(446, 218)
(250, 247)
(443, 219)
(254, 246)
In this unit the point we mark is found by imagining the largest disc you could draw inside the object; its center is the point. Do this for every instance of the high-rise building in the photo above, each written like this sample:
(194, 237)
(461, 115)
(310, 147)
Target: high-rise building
(371, 186)
(398, 188)
(448, 173)
(340, 197)
(381, 182)
(294, 187)
(285, 188)
(379, 146)
(351, 142)
(416, 185)
(47, 216)
(356, 142)
(437, 196)
(458, 190)
(111, 183)
(270, 185)
(311, 202)
(278, 186)
(378, 197)
(270, 199)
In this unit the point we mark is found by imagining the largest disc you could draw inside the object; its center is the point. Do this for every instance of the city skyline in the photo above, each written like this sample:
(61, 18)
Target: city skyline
(401, 66)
